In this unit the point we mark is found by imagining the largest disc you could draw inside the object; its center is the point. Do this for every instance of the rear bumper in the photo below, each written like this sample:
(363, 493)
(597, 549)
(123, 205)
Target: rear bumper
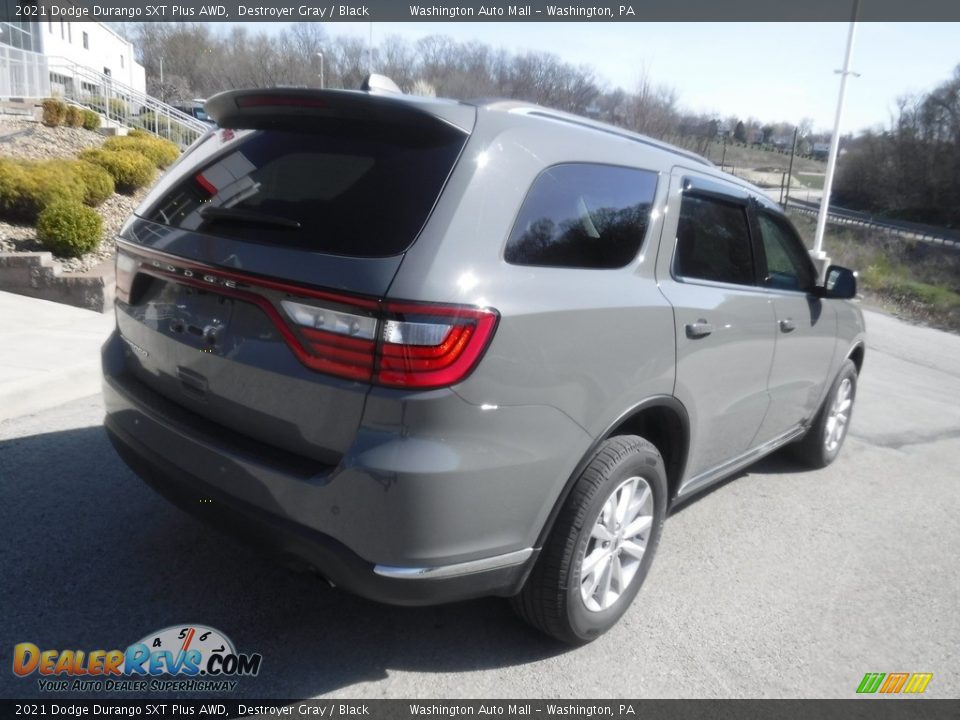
(409, 516)
(332, 559)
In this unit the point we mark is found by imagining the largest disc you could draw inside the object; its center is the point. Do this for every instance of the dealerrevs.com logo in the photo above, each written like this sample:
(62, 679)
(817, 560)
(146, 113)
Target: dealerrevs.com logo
(178, 658)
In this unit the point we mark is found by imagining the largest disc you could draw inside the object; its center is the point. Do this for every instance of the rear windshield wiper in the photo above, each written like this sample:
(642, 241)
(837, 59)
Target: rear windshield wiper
(251, 216)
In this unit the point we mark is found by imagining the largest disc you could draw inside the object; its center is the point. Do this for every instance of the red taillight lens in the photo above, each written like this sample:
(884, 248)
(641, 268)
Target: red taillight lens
(424, 346)
(410, 345)
(341, 339)
(342, 356)
(396, 344)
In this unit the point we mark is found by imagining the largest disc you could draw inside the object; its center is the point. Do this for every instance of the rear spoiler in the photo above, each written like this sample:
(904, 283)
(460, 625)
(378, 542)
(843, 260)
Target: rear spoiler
(254, 108)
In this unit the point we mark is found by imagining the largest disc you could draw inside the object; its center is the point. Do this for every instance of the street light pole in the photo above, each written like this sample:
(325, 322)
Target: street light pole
(320, 55)
(817, 252)
(793, 151)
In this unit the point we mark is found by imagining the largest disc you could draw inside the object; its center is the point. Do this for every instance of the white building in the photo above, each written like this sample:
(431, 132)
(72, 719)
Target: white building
(94, 46)
(39, 59)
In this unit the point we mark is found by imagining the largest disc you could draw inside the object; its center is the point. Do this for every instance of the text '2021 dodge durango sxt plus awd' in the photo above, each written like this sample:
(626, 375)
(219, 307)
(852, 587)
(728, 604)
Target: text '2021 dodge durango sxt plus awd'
(439, 350)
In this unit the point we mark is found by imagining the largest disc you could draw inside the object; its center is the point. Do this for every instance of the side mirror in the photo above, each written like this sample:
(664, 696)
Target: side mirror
(840, 283)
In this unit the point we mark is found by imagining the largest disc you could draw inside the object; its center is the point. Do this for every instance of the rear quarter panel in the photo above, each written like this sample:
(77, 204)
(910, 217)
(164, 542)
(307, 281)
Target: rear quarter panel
(589, 343)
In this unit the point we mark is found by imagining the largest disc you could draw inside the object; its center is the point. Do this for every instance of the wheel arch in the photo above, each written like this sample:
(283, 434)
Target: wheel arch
(662, 420)
(856, 354)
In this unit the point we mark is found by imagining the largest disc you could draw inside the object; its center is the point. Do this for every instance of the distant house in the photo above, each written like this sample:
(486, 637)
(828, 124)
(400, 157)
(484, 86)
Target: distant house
(820, 150)
(782, 142)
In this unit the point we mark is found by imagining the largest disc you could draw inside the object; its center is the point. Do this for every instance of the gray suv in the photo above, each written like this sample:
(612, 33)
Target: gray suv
(435, 350)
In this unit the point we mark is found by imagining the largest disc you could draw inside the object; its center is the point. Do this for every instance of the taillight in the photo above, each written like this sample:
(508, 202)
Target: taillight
(408, 345)
(432, 345)
(396, 344)
(340, 341)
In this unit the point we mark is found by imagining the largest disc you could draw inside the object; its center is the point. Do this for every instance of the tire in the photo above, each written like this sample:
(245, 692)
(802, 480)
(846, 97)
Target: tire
(552, 600)
(816, 450)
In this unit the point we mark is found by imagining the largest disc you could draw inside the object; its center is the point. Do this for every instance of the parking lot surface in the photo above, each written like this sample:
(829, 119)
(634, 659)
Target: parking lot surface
(778, 583)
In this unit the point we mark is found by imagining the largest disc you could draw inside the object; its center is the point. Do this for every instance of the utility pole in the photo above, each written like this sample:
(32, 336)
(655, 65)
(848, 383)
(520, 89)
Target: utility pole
(320, 55)
(370, 50)
(819, 256)
(793, 152)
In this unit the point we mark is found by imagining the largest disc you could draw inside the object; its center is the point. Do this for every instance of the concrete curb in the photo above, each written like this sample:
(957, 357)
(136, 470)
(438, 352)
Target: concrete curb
(38, 275)
(49, 353)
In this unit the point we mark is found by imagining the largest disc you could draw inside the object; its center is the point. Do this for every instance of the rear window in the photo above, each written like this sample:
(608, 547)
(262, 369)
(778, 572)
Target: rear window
(363, 191)
(583, 215)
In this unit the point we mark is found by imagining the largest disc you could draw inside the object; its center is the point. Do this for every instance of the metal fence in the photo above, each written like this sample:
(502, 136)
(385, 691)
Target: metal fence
(121, 104)
(947, 237)
(23, 74)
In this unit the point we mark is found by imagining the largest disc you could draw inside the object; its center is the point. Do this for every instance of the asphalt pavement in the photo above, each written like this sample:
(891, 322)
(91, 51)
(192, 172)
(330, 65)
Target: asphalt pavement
(778, 583)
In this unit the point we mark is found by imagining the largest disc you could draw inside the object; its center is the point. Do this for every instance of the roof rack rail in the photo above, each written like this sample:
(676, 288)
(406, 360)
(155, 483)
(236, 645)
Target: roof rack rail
(528, 108)
(613, 130)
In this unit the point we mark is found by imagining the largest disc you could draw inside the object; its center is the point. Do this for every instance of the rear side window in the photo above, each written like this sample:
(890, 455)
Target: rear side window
(363, 191)
(713, 241)
(583, 215)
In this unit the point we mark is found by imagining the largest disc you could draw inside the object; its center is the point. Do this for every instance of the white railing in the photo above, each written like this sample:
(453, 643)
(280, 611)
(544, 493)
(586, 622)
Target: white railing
(122, 104)
(23, 74)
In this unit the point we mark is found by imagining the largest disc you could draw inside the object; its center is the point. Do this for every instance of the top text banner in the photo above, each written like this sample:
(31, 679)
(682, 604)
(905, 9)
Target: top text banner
(493, 11)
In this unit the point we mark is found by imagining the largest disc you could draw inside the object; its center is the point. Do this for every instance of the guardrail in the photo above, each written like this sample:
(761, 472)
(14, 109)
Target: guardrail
(915, 231)
(122, 104)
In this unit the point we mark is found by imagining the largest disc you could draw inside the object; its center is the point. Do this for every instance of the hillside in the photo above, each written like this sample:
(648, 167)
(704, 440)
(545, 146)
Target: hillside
(29, 140)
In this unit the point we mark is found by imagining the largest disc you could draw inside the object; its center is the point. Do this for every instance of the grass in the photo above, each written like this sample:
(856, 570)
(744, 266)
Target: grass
(753, 156)
(812, 181)
(916, 280)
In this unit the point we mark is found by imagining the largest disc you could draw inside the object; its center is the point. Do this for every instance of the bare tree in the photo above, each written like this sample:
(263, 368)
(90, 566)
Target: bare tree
(909, 170)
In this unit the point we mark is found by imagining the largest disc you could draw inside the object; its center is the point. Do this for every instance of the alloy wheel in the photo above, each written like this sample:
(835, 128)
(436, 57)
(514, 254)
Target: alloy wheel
(617, 543)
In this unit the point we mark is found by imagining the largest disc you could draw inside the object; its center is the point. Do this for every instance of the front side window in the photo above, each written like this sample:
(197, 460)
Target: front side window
(713, 241)
(583, 215)
(788, 265)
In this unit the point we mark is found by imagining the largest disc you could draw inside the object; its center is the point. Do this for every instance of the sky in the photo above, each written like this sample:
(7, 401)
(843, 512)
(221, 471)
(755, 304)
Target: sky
(771, 71)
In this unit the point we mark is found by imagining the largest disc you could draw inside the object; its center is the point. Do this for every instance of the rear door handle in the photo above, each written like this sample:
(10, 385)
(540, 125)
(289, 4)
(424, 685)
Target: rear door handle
(698, 329)
(787, 325)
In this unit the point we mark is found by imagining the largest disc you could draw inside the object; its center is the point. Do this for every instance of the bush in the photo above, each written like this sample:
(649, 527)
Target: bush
(148, 121)
(114, 108)
(130, 170)
(161, 152)
(73, 116)
(69, 229)
(159, 126)
(54, 111)
(139, 133)
(97, 182)
(27, 187)
(91, 120)
(174, 133)
(118, 109)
